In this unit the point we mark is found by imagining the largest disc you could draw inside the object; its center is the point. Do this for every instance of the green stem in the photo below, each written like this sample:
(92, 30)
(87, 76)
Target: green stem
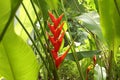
(39, 20)
(78, 64)
(36, 31)
(56, 77)
(37, 49)
(34, 27)
(73, 49)
(110, 70)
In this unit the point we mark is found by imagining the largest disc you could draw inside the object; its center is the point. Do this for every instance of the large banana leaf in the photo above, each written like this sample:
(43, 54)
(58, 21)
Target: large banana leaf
(110, 22)
(4, 14)
(17, 60)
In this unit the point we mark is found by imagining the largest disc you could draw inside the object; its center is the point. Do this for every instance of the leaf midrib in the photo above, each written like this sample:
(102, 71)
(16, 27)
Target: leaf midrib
(10, 65)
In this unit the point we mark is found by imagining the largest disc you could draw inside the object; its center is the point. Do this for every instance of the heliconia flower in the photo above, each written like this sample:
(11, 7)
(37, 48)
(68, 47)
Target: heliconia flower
(94, 59)
(57, 38)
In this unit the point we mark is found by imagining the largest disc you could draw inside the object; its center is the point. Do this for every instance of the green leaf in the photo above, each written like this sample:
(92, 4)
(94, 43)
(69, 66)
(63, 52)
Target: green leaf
(42, 5)
(17, 60)
(91, 22)
(110, 20)
(4, 13)
(110, 23)
(83, 54)
(7, 13)
(53, 4)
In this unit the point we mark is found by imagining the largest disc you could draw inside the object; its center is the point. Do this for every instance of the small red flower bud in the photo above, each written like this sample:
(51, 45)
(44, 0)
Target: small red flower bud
(94, 59)
(88, 69)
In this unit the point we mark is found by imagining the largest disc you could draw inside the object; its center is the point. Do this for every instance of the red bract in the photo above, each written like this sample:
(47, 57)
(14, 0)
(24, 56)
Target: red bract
(57, 38)
(61, 58)
(56, 21)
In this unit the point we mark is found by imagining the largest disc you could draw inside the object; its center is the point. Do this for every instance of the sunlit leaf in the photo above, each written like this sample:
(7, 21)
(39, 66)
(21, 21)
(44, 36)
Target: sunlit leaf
(17, 60)
(4, 13)
(7, 10)
(24, 19)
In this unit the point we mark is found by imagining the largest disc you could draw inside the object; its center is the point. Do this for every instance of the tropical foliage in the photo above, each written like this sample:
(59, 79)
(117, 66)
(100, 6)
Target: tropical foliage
(59, 39)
